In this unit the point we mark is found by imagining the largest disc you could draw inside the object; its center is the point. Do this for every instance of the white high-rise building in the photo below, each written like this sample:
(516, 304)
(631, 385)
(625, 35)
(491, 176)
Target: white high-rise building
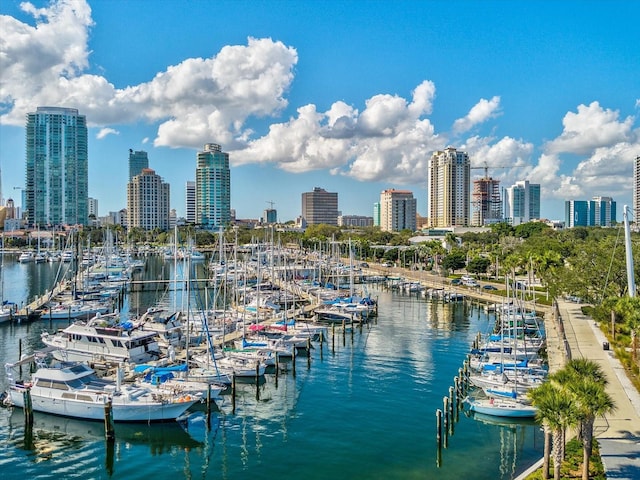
(190, 200)
(448, 188)
(636, 190)
(522, 202)
(397, 210)
(148, 201)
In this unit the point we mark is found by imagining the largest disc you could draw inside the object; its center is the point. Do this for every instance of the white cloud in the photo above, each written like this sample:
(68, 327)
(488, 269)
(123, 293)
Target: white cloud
(591, 127)
(106, 131)
(388, 141)
(479, 113)
(638, 103)
(505, 158)
(196, 101)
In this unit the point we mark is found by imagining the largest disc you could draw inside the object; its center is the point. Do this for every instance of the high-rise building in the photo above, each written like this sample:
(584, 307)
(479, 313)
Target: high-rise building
(397, 210)
(138, 161)
(320, 206)
(213, 187)
(148, 201)
(376, 214)
(486, 204)
(190, 202)
(576, 213)
(636, 190)
(522, 203)
(57, 170)
(604, 211)
(92, 207)
(600, 211)
(448, 185)
(270, 215)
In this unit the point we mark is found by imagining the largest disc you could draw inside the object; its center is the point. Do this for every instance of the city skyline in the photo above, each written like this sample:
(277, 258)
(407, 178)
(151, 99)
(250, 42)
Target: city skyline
(351, 97)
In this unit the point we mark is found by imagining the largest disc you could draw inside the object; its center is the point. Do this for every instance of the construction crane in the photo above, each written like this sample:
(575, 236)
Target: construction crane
(271, 204)
(486, 168)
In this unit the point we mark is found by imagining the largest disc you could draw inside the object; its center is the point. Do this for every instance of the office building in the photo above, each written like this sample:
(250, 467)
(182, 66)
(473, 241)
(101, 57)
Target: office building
(57, 180)
(270, 215)
(148, 201)
(600, 211)
(604, 211)
(448, 188)
(213, 187)
(522, 203)
(397, 210)
(376, 214)
(319, 207)
(190, 202)
(138, 161)
(92, 207)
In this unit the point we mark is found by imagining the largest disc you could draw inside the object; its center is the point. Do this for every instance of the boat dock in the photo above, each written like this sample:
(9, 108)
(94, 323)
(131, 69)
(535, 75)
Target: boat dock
(32, 309)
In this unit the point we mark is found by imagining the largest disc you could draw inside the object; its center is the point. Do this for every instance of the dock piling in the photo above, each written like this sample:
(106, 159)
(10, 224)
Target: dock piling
(109, 428)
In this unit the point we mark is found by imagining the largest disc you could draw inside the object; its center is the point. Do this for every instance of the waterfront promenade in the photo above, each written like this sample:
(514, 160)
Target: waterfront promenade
(618, 433)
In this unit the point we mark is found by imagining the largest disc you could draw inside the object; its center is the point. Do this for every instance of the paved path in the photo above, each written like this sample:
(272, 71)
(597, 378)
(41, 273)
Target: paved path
(619, 432)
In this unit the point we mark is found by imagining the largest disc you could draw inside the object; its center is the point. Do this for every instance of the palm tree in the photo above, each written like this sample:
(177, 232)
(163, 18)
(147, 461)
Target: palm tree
(556, 411)
(585, 381)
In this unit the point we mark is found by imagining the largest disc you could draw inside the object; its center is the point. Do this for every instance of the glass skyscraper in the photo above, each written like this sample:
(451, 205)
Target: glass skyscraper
(213, 187)
(56, 180)
(138, 161)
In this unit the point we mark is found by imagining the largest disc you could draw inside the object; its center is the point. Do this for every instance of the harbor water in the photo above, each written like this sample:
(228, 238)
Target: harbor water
(361, 407)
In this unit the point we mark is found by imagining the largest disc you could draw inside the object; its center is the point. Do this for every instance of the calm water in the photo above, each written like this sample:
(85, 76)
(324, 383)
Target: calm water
(363, 411)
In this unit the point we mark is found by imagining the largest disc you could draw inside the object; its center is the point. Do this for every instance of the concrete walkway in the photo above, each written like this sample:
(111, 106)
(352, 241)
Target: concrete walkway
(618, 433)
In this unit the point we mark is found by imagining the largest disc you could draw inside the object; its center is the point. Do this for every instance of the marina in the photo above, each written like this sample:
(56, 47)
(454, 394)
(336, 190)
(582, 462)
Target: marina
(361, 405)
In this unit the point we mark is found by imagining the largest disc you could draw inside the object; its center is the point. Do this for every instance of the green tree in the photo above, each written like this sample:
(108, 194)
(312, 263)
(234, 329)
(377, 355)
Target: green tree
(478, 265)
(584, 381)
(556, 411)
(629, 309)
(454, 260)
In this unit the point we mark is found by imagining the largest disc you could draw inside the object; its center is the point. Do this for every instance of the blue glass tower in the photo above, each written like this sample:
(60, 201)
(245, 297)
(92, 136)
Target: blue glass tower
(213, 187)
(56, 180)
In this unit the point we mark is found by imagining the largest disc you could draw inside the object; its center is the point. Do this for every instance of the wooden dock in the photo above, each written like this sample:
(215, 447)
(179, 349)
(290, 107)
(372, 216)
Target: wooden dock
(33, 309)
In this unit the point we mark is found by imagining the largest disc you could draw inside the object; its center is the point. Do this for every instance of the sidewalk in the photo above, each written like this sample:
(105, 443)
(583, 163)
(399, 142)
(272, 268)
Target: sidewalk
(619, 432)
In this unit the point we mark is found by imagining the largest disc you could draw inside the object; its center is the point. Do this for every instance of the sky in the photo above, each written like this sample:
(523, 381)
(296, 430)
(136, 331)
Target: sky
(350, 96)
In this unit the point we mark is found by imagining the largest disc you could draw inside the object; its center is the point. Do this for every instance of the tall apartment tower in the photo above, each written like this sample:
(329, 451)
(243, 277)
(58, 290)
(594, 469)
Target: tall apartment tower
(148, 201)
(190, 202)
(397, 210)
(486, 203)
(636, 190)
(138, 161)
(522, 203)
(92, 206)
(448, 188)
(319, 207)
(57, 170)
(213, 187)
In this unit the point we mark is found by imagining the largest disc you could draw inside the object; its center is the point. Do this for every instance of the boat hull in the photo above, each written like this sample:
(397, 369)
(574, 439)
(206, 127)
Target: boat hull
(123, 410)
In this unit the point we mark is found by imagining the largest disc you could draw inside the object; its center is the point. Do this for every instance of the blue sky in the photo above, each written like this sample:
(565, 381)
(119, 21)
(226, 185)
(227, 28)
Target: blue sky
(351, 96)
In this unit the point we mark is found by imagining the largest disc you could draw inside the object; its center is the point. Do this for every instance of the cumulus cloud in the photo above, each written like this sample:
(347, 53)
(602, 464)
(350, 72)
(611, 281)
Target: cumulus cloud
(508, 157)
(194, 101)
(105, 132)
(479, 113)
(388, 141)
(591, 127)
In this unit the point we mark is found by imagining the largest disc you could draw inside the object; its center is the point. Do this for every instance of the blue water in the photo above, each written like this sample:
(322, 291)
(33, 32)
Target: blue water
(364, 409)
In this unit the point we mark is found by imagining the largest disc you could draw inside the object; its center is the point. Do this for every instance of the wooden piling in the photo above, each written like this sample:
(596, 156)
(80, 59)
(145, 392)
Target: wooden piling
(257, 380)
(109, 428)
(293, 361)
(208, 399)
(333, 338)
(452, 410)
(445, 411)
(233, 394)
(28, 407)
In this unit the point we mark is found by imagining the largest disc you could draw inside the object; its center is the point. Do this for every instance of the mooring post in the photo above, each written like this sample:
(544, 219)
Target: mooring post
(333, 338)
(321, 345)
(28, 407)
(439, 428)
(233, 394)
(293, 361)
(445, 425)
(109, 428)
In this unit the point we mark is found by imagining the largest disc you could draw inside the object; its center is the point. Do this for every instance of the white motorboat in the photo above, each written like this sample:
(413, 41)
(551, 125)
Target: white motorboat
(103, 339)
(74, 390)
